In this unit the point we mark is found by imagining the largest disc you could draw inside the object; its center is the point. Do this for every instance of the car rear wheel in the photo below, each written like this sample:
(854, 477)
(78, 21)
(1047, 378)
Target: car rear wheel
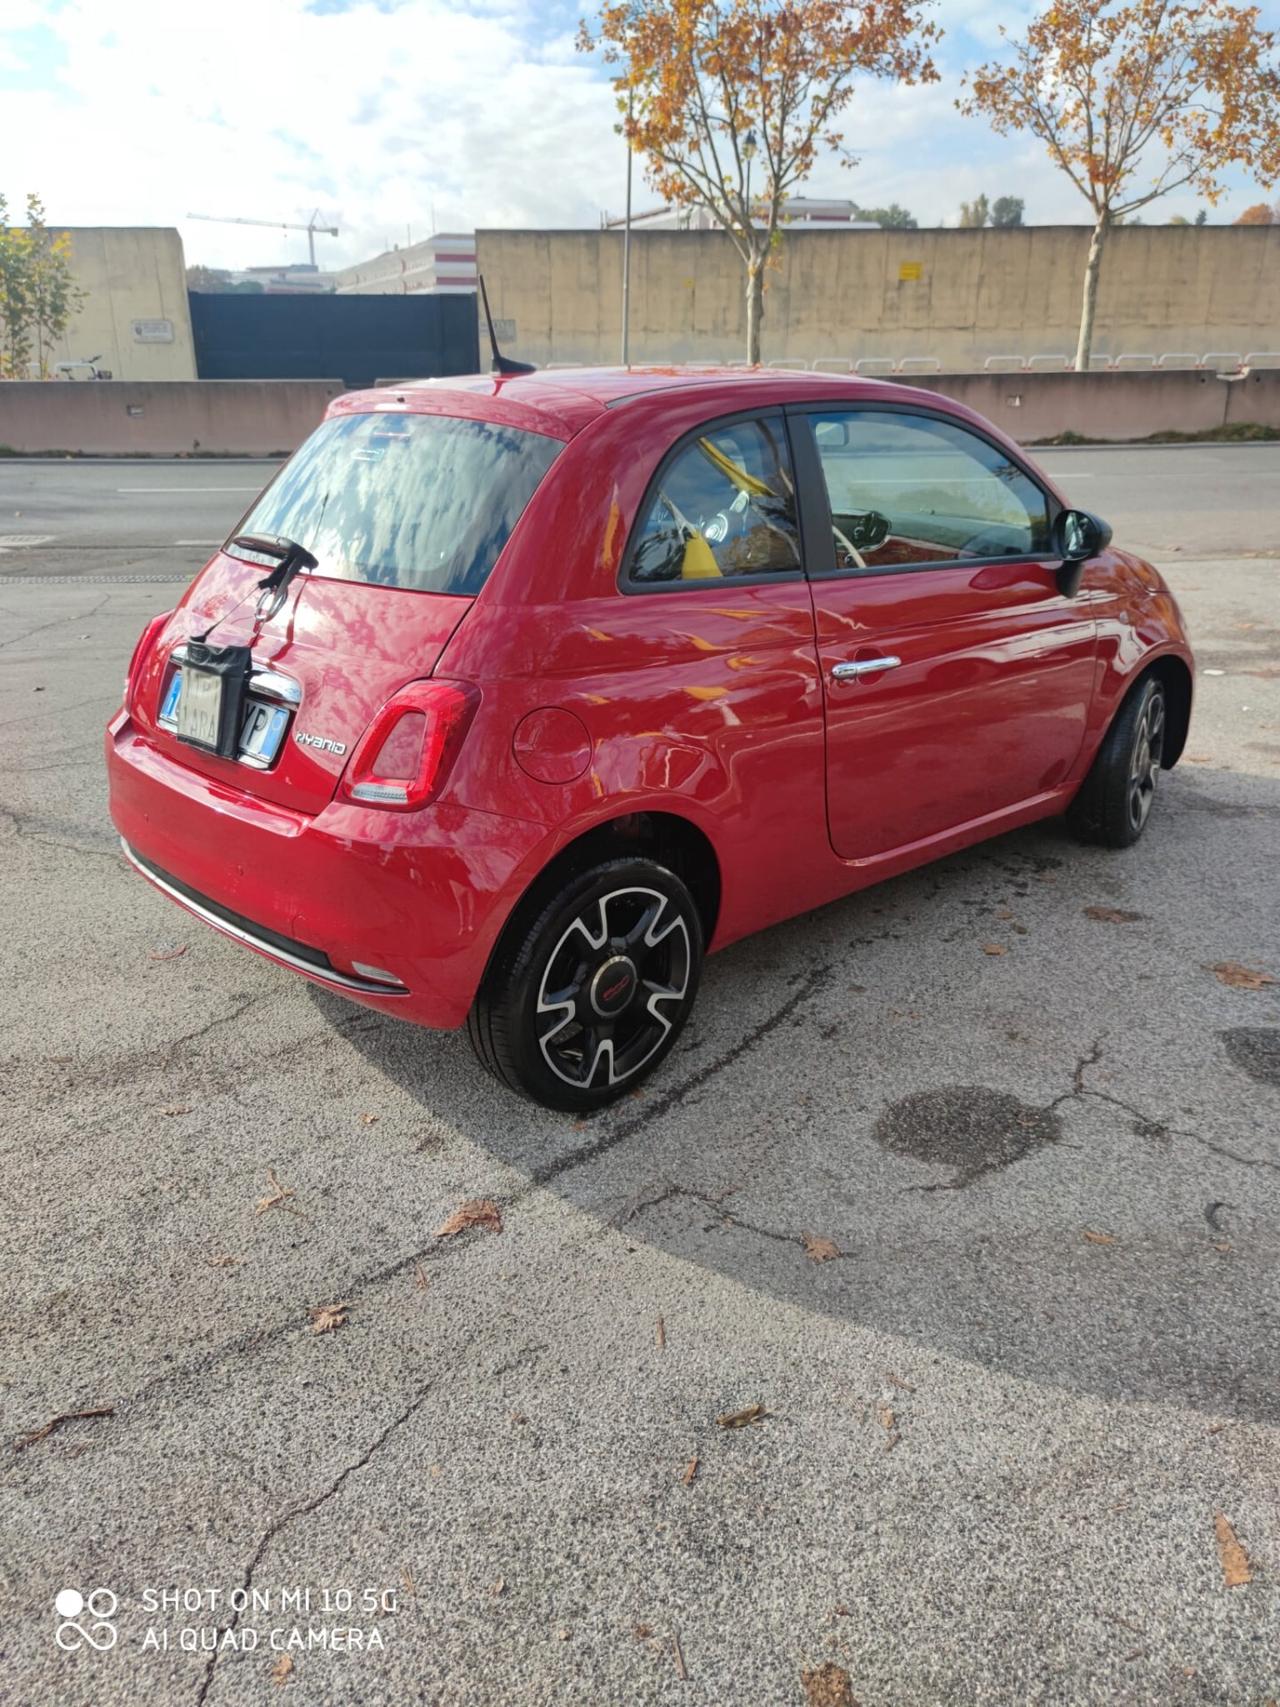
(586, 997)
(1115, 801)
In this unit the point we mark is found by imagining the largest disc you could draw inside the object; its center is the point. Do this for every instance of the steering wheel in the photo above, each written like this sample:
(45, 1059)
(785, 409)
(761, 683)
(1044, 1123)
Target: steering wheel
(850, 547)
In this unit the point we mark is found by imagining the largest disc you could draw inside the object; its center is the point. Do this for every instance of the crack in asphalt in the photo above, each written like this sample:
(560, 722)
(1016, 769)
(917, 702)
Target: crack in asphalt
(303, 1509)
(255, 1339)
(58, 622)
(1147, 1126)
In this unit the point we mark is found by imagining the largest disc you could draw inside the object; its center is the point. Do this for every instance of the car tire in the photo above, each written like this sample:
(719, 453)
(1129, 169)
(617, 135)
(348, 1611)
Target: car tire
(589, 991)
(1115, 800)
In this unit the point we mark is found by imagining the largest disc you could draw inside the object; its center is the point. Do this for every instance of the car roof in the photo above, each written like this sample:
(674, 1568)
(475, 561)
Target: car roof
(566, 399)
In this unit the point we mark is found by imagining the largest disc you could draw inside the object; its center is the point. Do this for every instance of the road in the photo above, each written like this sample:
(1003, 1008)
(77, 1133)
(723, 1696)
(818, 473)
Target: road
(1001, 1420)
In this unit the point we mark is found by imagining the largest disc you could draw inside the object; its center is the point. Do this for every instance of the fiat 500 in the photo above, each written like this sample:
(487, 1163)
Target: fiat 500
(512, 697)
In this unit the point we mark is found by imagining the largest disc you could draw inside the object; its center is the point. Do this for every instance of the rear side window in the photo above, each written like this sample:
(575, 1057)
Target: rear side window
(419, 501)
(911, 489)
(724, 505)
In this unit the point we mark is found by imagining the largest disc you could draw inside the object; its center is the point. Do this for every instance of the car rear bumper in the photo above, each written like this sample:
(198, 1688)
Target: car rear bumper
(398, 911)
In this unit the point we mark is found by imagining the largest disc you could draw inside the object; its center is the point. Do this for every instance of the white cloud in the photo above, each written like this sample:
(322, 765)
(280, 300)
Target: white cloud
(393, 115)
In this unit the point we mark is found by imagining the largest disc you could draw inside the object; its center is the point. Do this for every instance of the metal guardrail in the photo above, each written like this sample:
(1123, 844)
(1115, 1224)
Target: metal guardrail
(1128, 361)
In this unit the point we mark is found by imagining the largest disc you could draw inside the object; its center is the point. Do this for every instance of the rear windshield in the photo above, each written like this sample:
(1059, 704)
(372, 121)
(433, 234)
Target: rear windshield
(419, 501)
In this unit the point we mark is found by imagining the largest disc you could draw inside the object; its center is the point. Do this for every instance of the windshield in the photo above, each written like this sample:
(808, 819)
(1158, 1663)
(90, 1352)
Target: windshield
(419, 501)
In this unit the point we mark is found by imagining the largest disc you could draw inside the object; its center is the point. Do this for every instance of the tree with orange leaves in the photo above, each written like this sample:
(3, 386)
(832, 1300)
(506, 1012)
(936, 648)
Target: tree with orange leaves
(1136, 99)
(1258, 214)
(711, 88)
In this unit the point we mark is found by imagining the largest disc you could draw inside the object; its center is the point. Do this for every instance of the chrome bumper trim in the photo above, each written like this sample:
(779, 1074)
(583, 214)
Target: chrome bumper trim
(340, 980)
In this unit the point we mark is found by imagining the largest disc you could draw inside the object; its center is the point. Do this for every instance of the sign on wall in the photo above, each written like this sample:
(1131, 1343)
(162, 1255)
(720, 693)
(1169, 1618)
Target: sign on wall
(153, 331)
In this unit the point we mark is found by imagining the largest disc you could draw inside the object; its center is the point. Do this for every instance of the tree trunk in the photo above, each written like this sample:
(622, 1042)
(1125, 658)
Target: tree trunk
(755, 308)
(1084, 344)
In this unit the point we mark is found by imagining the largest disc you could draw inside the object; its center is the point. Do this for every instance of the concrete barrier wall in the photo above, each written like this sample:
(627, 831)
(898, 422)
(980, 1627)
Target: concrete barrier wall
(260, 417)
(253, 417)
(135, 317)
(959, 296)
(1035, 406)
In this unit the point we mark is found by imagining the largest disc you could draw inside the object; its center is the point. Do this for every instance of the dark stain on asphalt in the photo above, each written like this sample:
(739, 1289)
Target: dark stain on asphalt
(969, 1128)
(1256, 1051)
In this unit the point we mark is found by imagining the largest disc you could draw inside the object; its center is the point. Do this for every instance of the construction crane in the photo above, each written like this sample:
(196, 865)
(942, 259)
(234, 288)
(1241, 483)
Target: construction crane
(311, 227)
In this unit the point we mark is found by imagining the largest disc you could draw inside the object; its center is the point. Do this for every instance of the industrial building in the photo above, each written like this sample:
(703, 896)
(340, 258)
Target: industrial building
(443, 265)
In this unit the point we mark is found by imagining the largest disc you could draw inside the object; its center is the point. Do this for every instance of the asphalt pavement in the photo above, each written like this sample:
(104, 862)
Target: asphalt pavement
(991, 1238)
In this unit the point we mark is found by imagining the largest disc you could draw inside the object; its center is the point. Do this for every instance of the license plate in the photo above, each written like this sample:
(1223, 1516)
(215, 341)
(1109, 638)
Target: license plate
(261, 730)
(199, 707)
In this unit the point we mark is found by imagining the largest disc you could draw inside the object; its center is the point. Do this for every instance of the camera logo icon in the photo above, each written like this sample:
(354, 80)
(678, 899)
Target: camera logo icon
(99, 1606)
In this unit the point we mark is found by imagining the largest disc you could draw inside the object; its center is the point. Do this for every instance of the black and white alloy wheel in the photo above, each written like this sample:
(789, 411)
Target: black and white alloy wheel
(586, 999)
(1115, 801)
(612, 985)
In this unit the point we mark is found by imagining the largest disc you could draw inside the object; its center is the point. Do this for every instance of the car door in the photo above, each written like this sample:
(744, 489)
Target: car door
(957, 677)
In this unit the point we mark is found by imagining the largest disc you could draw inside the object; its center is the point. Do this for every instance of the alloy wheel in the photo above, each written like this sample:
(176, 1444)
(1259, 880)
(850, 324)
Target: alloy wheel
(1144, 762)
(611, 987)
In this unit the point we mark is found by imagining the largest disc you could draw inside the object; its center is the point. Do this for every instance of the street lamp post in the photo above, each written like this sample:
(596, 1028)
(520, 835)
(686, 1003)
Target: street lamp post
(626, 254)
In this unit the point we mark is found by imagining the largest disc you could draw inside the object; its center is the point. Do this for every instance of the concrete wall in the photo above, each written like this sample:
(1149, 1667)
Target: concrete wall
(135, 316)
(1035, 406)
(957, 295)
(174, 418)
(259, 417)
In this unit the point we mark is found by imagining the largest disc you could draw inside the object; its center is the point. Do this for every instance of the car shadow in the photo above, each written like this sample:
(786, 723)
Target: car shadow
(948, 1109)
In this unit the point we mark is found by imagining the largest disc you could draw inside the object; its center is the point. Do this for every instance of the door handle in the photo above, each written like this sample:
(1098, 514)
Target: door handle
(864, 667)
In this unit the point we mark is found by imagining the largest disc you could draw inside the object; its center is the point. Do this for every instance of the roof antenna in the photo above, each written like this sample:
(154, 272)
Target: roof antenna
(500, 363)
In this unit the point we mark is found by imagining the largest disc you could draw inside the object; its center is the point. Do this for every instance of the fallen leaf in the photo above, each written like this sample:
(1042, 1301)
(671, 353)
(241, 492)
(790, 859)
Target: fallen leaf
(899, 1382)
(740, 1419)
(282, 1669)
(177, 1108)
(326, 1317)
(1112, 915)
(691, 1470)
(25, 1440)
(421, 1279)
(369, 1119)
(642, 1632)
(1240, 977)
(827, 1686)
(563, 1635)
(279, 1195)
(498, 1586)
(819, 1249)
(1236, 1570)
(168, 953)
(660, 1335)
(994, 948)
(886, 1418)
(410, 1587)
(840, 1610)
(475, 1212)
(1099, 1238)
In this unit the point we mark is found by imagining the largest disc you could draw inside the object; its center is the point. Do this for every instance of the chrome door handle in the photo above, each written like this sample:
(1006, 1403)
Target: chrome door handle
(864, 667)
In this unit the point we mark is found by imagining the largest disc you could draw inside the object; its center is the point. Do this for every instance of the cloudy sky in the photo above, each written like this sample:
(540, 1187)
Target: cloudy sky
(394, 117)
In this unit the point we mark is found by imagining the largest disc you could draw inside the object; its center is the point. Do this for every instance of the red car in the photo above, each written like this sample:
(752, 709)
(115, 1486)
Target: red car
(513, 696)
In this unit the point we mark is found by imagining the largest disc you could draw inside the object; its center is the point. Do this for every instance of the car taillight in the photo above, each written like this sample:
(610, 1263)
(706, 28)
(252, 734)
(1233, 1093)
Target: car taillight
(146, 640)
(406, 753)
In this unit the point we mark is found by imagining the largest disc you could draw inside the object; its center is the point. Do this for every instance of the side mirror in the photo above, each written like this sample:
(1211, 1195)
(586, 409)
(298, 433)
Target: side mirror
(1075, 537)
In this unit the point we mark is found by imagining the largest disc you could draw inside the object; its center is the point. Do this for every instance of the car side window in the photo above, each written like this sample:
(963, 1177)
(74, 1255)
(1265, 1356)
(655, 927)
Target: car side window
(911, 489)
(724, 505)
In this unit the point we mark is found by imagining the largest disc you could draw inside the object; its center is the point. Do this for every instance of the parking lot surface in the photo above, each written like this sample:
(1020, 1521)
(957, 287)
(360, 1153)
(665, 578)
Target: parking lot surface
(970, 1182)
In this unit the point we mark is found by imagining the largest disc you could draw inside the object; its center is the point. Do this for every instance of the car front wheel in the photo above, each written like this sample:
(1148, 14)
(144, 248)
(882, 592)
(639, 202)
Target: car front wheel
(1115, 801)
(584, 999)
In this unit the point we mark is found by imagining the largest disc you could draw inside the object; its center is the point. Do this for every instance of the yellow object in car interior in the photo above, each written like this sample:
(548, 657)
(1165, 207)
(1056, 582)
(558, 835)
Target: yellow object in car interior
(729, 468)
(698, 563)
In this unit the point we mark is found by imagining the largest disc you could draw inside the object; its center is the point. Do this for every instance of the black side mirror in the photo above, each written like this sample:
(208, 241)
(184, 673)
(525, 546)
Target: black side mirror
(1075, 536)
